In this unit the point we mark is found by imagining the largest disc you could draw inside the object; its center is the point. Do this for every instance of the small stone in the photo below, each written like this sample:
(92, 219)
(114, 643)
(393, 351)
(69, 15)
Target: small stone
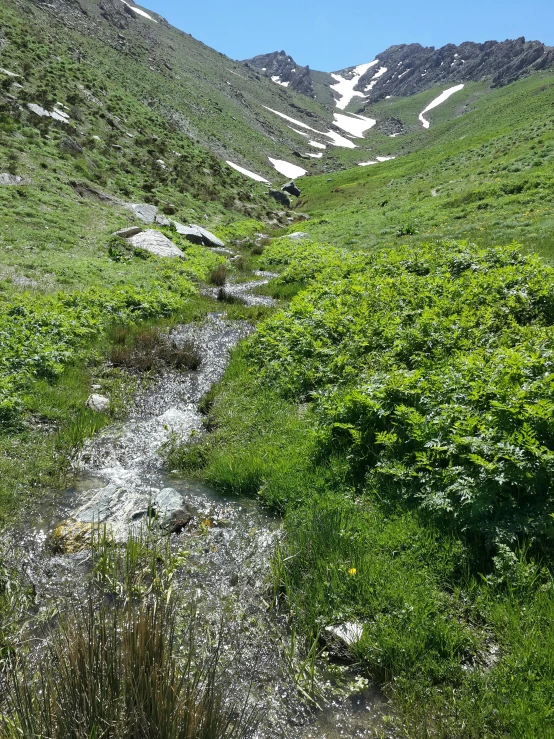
(296, 236)
(161, 220)
(178, 520)
(98, 403)
(71, 536)
(339, 639)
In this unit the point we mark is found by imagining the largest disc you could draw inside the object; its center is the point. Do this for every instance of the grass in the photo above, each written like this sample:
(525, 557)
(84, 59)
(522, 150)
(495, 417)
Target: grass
(138, 665)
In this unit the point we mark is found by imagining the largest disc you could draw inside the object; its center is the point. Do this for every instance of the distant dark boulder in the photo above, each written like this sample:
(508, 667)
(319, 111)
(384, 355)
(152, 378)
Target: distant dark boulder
(68, 146)
(280, 197)
(291, 188)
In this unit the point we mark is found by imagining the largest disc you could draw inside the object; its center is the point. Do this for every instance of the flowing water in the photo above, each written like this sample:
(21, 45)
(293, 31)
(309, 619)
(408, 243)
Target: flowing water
(121, 478)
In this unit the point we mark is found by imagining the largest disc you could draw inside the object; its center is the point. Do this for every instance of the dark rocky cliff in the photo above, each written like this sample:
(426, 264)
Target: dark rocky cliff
(412, 68)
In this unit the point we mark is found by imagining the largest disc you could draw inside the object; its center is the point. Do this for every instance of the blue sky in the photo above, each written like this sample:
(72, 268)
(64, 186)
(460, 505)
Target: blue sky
(333, 35)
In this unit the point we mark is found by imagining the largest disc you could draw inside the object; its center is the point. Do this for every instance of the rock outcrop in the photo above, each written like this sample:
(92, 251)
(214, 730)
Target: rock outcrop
(412, 68)
(280, 64)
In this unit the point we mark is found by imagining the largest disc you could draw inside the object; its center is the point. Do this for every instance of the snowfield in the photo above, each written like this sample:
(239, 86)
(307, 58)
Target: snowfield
(354, 124)
(277, 79)
(437, 101)
(336, 138)
(138, 11)
(377, 160)
(345, 88)
(247, 172)
(373, 81)
(287, 169)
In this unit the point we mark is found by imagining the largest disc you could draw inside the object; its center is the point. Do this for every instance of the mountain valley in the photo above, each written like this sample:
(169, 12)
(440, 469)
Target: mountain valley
(315, 312)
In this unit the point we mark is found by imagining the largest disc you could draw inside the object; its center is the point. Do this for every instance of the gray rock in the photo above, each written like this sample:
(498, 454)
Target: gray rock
(191, 233)
(126, 233)
(291, 188)
(166, 502)
(98, 403)
(10, 179)
(43, 113)
(143, 211)
(208, 237)
(179, 519)
(162, 220)
(68, 146)
(280, 197)
(339, 639)
(296, 236)
(155, 243)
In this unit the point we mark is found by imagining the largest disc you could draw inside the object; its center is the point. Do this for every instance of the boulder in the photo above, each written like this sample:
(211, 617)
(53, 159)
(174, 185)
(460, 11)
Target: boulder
(162, 220)
(126, 233)
(280, 197)
(191, 233)
(208, 237)
(98, 403)
(155, 243)
(291, 188)
(143, 211)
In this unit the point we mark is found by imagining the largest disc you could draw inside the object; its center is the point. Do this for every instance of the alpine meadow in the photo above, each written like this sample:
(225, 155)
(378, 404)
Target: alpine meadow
(276, 386)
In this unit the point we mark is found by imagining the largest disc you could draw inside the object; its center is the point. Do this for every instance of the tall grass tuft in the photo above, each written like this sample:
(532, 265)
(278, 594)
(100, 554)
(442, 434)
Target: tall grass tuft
(124, 672)
(218, 276)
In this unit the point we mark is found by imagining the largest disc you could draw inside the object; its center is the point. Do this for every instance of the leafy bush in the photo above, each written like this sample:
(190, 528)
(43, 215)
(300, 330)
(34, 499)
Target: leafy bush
(432, 368)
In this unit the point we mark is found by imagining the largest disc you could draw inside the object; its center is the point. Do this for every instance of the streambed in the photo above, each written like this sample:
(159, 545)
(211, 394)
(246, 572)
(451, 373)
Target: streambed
(120, 479)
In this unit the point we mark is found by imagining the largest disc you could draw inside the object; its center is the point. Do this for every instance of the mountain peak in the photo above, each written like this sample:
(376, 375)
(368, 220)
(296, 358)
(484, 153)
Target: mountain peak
(283, 70)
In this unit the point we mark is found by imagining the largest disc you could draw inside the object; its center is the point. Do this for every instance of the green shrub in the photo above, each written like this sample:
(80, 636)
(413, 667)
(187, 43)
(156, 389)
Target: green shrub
(433, 371)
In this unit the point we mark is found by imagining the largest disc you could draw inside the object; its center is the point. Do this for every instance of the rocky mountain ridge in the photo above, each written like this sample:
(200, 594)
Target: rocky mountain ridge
(407, 69)
(282, 69)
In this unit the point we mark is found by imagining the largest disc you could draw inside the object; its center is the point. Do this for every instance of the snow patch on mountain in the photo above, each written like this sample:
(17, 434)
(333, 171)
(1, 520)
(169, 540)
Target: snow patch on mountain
(276, 78)
(438, 101)
(336, 138)
(315, 156)
(354, 124)
(377, 160)
(286, 168)
(375, 78)
(138, 11)
(316, 144)
(344, 87)
(248, 173)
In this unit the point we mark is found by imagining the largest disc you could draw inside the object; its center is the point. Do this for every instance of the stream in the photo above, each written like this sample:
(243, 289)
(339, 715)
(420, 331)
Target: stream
(120, 478)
